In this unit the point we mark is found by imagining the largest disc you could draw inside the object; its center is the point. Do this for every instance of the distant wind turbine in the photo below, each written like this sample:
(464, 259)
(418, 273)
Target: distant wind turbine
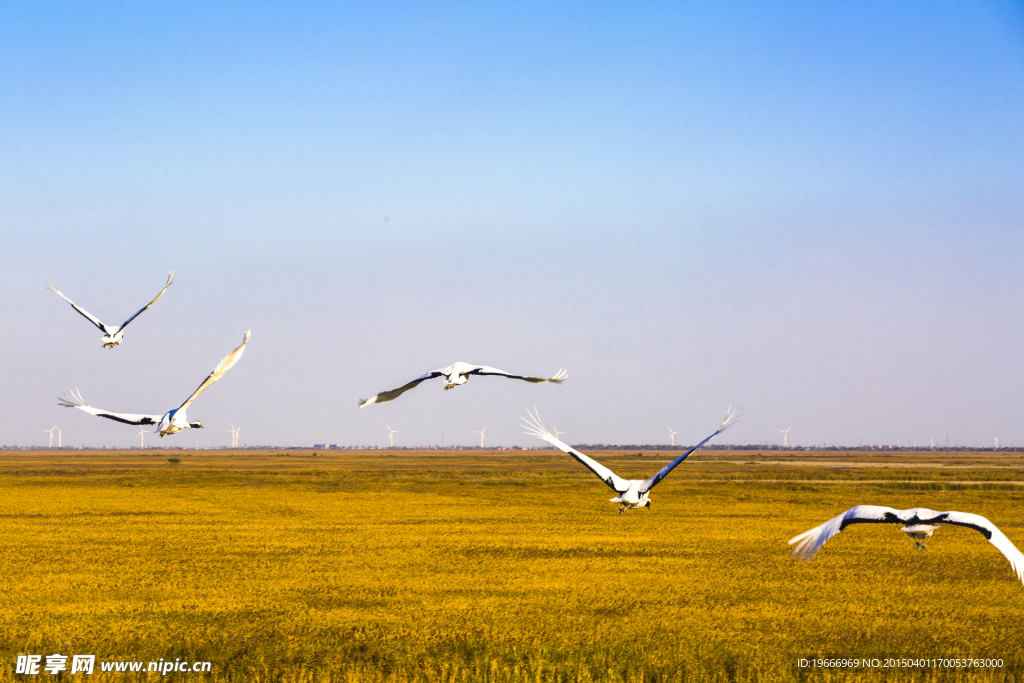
(481, 433)
(142, 437)
(50, 432)
(555, 430)
(785, 437)
(671, 435)
(391, 436)
(234, 435)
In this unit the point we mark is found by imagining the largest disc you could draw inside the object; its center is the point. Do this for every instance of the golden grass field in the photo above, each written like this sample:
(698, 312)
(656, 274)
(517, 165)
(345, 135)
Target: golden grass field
(501, 565)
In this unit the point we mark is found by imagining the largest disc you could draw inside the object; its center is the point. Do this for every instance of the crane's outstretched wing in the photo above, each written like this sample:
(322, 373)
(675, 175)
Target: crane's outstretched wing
(74, 400)
(385, 396)
(559, 377)
(730, 419)
(52, 286)
(992, 533)
(536, 428)
(170, 279)
(810, 541)
(218, 371)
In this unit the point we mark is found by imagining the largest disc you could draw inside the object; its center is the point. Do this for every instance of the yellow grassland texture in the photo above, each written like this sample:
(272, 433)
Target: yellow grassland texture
(479, 568)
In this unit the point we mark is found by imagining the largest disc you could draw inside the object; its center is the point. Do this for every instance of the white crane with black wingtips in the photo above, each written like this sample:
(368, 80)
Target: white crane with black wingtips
(173, 421)
(456, 374)
(112, 334)
(918, 523)
(631, 494)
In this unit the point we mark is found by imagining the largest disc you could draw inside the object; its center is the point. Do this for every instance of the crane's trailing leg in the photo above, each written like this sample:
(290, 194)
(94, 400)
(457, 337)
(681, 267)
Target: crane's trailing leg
(920, 533)
(456, 381)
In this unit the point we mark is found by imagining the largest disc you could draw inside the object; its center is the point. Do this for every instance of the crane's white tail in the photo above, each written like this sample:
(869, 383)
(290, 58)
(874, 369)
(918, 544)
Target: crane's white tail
(807, 544)
(71, 400)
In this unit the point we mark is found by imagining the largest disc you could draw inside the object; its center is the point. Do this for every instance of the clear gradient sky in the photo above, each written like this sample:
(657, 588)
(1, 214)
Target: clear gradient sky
(813, 212)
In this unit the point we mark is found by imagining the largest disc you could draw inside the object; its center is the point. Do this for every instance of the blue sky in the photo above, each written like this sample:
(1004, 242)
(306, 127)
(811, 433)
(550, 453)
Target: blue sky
(812, 212)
